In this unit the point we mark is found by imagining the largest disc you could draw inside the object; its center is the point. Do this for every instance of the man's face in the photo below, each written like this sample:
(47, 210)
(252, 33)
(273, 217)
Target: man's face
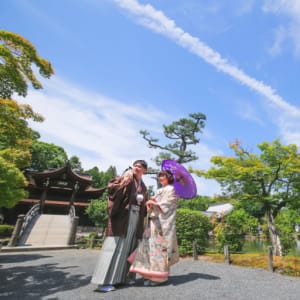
(138, 170)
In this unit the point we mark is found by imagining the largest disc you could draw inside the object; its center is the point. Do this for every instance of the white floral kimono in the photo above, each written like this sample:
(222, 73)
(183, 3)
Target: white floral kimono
(158, 249)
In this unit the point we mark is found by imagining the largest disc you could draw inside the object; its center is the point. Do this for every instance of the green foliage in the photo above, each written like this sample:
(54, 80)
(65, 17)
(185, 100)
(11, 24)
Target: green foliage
(232, 229)
(254, 209)
(75, 163)
(6, 231)
(15, 135)
(17, 56)
(190, 226)
(101, 178)
(97, 212)
(269, 180)
(45, 156)
(199, 203)
(12, 184)
(285, 223)
(15, 141)
(182, 133)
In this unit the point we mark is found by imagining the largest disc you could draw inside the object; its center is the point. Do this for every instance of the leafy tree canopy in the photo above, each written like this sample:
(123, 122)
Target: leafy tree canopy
(12, 183)
(271, 179)
(182, 133)
(17, 56)
(15, 135)
(100, 178)
(46, 156)
(199, 203)
(76, 164)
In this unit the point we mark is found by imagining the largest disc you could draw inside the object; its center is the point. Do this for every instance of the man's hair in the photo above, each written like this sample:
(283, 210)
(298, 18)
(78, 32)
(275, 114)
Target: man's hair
(142, 163)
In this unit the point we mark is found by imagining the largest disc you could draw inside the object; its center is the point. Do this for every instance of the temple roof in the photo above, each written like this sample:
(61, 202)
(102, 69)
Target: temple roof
(62, 181)
(60, 172)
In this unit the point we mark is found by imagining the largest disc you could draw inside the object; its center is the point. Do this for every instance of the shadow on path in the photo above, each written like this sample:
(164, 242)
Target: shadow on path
(16, 258)
(180, 279)
(35, 282)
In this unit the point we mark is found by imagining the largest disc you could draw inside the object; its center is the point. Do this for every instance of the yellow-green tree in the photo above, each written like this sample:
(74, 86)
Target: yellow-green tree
(270, 178)
(17, 57)
(12, 183)
(15, 142)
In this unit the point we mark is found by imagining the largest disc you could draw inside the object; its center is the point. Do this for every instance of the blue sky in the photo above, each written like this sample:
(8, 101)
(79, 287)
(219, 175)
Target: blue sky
(125, 65)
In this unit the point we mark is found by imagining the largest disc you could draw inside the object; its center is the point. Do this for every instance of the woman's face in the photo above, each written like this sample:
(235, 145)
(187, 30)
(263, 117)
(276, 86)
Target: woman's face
(163, 180)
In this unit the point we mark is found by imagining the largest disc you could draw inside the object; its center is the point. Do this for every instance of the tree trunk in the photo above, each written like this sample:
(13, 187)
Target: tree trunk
(274, 235)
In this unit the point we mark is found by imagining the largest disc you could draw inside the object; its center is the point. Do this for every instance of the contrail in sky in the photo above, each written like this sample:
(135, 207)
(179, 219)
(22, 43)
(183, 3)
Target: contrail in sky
(157, 21)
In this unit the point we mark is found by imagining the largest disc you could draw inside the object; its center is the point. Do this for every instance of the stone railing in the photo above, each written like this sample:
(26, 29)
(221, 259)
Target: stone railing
(72, 212)
(74, 223)
(22, 224)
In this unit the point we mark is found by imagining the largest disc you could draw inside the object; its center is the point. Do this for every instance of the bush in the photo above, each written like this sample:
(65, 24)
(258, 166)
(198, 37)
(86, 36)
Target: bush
(97, 212)
(192, 225)
(233, 228)
(6, 231)
(227, 236)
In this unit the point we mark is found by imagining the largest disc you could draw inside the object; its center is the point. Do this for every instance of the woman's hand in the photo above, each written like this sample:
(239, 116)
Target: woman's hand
(153, 198)
(149, 204)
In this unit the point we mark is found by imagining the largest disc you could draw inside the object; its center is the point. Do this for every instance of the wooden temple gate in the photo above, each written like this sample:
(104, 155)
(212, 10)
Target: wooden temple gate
(56, 204)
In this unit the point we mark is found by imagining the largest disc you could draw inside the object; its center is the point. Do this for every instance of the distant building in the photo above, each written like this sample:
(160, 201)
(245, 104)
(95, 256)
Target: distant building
(219, 210)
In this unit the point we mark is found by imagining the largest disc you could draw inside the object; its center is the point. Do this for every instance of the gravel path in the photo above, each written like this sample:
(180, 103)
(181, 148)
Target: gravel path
(66, 274)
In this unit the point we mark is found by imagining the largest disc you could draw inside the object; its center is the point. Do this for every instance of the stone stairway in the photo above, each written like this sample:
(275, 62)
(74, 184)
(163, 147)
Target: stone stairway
(48, 230)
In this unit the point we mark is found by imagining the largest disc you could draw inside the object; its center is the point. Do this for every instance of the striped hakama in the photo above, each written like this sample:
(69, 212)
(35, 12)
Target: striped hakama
(113, 267)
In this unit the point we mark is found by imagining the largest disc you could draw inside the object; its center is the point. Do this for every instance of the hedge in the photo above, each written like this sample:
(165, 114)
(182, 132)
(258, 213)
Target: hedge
(192, 225)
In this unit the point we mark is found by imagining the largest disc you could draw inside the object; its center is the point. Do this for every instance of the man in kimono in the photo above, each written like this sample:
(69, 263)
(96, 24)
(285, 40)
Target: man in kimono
(127, 196)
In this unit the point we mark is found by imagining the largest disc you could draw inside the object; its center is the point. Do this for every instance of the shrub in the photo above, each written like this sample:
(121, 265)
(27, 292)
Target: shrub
(97, 212)
(192, 225)
(232, 229)
(6, 231)
(285, 224)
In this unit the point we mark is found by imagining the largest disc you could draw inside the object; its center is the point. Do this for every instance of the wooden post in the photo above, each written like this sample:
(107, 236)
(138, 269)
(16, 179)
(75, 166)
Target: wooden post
(72, 236)
(44, 195)
(15, 235)
(270, 252)
(195, 254)
(75, 189)
(227, 254)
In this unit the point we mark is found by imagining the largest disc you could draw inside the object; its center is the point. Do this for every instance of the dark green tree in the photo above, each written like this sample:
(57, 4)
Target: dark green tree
(101, 178)
(46, 156)
(199, 203)
(76, 164)
(97, 209)
(182, 134)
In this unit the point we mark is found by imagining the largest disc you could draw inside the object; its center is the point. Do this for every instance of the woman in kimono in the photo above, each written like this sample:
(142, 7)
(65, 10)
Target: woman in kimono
(158, 249)
(127, 196)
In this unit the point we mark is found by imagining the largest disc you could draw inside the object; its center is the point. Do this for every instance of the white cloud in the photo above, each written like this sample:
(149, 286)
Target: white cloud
(291, 9)
(156, 20)
(247, 111)
(94, 126)
(280, 36)
(101, 131)
(243, 7)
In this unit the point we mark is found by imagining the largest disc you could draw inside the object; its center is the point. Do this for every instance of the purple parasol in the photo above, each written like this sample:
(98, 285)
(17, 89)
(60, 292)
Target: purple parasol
(184, 183)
